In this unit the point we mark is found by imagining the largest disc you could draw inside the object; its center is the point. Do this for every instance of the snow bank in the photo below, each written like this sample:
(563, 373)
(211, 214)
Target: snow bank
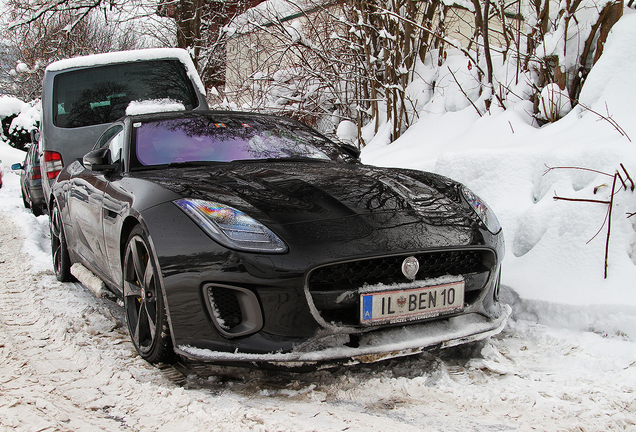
(10, 106)
(554, 253)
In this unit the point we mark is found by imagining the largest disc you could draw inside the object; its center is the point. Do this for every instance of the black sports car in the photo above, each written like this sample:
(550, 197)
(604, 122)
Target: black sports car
(246, 237)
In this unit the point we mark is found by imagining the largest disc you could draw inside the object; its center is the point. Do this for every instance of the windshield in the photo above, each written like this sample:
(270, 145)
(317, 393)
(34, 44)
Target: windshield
(99, 95)
(227, 139)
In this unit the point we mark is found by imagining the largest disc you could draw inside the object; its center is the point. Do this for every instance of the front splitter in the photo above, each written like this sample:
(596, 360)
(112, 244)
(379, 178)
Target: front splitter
(376, 345)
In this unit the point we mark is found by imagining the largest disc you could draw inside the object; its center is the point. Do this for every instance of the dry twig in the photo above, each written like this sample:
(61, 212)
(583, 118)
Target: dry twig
(610, 204)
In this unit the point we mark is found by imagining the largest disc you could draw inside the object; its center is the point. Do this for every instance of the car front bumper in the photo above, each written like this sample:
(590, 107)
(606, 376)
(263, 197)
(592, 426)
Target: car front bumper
(378, 345)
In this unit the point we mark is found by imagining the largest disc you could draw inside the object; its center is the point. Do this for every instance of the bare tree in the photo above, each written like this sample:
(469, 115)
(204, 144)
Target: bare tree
(325, 61)
(34, 42)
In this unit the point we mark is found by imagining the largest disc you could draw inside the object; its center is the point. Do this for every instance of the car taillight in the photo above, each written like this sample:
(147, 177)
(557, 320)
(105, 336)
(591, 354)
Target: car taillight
(52, 164)
(35, 174)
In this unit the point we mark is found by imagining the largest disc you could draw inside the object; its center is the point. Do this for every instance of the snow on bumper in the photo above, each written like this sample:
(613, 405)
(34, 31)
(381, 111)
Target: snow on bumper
(376, 345)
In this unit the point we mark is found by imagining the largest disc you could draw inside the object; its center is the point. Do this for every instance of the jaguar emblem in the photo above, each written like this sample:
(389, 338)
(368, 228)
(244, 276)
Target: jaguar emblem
(410, 267)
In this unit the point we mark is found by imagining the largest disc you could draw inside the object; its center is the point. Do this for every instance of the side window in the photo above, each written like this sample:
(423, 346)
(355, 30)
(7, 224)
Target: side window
(113, 141)
(116, 147)
(106, 136)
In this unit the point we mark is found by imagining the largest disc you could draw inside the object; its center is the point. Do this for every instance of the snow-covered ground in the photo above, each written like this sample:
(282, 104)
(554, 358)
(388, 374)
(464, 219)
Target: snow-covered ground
(66, 363)
(565, 362)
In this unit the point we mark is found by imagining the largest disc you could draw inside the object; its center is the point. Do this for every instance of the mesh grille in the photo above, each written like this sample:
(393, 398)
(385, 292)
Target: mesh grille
(226, 306)
(388, 270)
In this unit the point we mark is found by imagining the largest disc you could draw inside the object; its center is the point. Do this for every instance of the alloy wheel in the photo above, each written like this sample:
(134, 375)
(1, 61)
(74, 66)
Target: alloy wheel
(140, 294)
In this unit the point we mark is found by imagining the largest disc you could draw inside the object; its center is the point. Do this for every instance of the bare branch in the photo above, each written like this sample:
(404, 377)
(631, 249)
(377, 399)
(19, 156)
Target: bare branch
(462, 90)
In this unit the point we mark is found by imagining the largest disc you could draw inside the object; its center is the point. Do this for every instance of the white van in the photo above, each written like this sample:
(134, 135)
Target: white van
(83, 95)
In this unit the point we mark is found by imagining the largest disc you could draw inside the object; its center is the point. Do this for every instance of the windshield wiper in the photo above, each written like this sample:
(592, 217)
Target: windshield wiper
(283, 159)
(192, 163)
(180, 165)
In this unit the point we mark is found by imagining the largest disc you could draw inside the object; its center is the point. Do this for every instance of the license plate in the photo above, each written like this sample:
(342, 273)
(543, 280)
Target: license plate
(411, 304)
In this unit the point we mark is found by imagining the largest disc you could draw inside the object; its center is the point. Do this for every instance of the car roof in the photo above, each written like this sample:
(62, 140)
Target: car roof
(205, 113)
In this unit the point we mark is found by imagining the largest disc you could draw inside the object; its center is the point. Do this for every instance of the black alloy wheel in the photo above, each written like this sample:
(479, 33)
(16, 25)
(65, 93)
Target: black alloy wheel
(59, 250)
(143, 300)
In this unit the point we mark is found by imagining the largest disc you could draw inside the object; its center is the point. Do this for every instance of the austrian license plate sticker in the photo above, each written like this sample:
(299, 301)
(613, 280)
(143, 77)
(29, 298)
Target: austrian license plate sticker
(410, 304)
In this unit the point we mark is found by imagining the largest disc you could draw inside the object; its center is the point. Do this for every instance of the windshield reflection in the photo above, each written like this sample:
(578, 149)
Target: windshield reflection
(227, 139)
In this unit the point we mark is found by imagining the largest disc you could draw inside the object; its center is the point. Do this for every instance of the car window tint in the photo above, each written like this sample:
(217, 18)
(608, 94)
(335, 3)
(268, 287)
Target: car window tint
(203, 138)
(101, 95)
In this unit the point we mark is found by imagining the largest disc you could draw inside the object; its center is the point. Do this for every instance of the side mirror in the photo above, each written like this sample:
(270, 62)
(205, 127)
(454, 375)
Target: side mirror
(350, 150)
(35, 135)
(98, 160)
(17, 166)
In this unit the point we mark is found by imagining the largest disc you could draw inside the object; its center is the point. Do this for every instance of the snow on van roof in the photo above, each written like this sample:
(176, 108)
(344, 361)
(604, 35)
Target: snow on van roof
(131, 56)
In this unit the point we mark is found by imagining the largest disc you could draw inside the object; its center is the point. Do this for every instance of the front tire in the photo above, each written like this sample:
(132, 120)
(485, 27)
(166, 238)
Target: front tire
(146, 315)
(37, 210)
(27, 204)
(59, 250)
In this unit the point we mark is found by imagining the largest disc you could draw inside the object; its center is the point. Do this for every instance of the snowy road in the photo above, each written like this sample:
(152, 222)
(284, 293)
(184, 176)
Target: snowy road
(66, 364)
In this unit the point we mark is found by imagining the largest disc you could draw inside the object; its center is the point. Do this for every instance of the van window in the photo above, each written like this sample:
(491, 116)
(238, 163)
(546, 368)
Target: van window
(101, 95)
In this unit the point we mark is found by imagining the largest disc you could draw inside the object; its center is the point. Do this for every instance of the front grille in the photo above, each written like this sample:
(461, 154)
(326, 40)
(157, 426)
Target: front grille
(388, 270)
(226, 307)
(335, 288)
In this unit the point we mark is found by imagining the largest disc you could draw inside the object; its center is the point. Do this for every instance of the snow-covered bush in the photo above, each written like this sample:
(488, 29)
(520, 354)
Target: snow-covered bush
(563, 44)
(554, 103)
(379, 64)
(18, 120)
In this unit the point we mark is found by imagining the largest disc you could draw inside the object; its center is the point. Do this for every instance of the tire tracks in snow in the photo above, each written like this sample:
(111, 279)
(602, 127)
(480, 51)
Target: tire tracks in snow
(66, 364)
(34, 382)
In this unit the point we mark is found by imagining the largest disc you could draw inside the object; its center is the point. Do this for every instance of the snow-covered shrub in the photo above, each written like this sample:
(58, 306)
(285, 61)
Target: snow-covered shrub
(18, 120)
(554, 103)
(563, 44)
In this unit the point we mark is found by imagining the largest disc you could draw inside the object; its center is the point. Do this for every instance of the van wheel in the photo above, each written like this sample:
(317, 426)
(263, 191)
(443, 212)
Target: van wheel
(37, 210)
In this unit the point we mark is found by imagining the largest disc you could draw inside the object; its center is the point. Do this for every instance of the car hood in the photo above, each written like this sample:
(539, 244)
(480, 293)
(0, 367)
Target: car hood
(290, 193)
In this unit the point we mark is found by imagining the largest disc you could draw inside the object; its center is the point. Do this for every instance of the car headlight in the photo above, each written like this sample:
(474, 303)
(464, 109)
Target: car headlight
(230, 227)
(486, 215)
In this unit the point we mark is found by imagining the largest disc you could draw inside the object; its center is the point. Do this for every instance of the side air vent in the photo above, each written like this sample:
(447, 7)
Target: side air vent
(234, 311)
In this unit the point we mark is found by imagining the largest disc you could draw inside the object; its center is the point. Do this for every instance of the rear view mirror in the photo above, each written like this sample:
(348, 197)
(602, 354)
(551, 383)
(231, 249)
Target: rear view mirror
(35, 135)
(17, 166)
(98, 160)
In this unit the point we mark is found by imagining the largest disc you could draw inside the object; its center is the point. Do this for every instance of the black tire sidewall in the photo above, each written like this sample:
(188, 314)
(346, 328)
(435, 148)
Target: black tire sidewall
(63, 271)
(161, 350)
